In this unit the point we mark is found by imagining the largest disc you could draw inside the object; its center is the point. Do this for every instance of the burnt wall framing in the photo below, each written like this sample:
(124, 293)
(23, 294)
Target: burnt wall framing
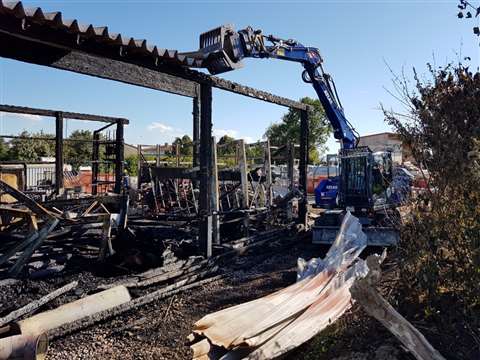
(60, 117)
(29, 35)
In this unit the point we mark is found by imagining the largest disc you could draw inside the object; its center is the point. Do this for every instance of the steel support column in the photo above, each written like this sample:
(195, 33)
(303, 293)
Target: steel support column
(205, 236)
(304, 134)
(59, 153)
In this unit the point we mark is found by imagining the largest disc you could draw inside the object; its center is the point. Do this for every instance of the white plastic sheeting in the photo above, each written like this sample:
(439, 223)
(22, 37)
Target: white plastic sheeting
(270, 326)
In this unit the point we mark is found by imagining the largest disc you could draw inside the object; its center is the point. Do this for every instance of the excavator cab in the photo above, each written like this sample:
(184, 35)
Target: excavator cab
(365, 178)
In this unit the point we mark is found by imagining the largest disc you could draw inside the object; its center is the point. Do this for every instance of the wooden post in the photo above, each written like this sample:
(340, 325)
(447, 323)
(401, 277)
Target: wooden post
(119, 157)
(242, 164)
(95, 160)
(177, 154)
(59, 153)
(291, 176)
(139, 166)
(205, 236)
(268, 175)
(303, 167)
(215, 202)
(157, 155)
(291, 166)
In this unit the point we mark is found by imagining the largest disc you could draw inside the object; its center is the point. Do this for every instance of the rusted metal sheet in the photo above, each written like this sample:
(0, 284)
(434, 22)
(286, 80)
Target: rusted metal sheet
(268, 327)
(98, 34)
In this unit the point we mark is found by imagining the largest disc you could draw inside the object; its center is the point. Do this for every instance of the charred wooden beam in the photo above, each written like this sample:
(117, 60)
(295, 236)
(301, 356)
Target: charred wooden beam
(167, 172)
(40, 47)
(230, 175)
(119, 157)
(214, 197)
(21, 197)
(242, 165)
(268, 174)
(196, 129)
(15, 270)
(59, 153)
(33, 51)
(205, 235)
(65, 114)
(95, 160)
(304, 135)
(34, 305)
(236, 88)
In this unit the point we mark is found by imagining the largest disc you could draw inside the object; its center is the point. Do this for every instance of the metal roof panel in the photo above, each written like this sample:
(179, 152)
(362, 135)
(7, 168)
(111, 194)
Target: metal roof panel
(99, 35)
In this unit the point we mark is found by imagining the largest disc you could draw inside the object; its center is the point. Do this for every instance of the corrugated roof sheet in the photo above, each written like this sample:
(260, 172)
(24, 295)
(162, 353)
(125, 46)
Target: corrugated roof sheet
(98, 34)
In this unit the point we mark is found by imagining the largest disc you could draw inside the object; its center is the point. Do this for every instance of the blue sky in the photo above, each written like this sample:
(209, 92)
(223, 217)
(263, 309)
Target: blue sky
(356, 39)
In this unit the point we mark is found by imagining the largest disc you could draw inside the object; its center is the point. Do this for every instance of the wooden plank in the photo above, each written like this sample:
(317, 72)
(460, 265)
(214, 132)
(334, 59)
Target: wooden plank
(140, 301)
(19, 246)
(364, 292)
(27, 253)
(21, 197)
(34, 305)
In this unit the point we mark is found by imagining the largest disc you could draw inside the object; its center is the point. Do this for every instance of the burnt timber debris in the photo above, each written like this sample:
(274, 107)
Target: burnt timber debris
(184, 226)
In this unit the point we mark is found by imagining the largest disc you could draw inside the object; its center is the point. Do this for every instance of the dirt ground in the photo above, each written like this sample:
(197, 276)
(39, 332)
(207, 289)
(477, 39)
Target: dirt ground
(159, 329)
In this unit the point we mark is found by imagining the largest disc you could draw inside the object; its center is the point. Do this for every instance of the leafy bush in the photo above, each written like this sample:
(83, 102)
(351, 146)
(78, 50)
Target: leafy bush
(440, 243)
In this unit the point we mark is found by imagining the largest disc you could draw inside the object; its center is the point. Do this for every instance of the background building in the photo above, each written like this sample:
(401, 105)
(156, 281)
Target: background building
(386, 141)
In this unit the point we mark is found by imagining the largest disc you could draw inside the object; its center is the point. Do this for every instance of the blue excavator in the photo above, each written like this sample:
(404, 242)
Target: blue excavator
(363, 184)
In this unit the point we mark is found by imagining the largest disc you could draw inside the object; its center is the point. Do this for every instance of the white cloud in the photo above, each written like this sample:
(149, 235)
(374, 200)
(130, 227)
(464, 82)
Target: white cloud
(222, 132)
(218, 133)
(23, 116)
(248, 139)
(162, 128)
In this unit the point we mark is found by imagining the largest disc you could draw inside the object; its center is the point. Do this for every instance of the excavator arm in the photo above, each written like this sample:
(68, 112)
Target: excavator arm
(223, 49)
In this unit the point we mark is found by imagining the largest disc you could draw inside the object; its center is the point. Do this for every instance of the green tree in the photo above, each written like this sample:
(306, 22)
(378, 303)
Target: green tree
(186, 145)
(288, 130)
(79, 153)
(28, 149)
(131, 165)
(3, 150)
(226, 146)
